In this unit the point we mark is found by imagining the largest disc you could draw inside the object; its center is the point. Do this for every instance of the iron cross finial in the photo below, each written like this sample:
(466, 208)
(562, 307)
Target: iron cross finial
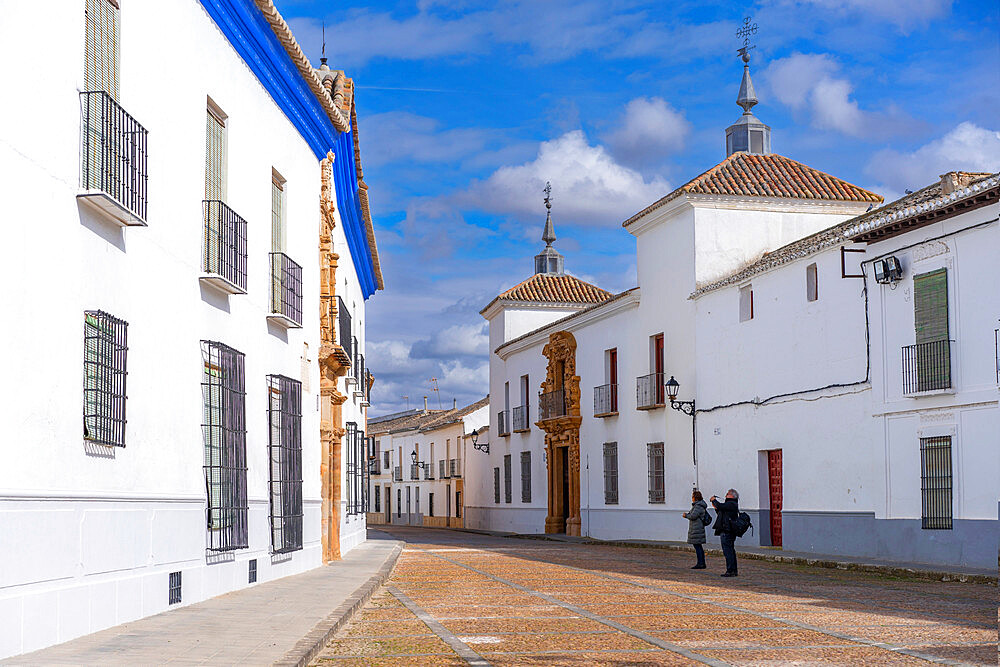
(745, 32)
(548, 195)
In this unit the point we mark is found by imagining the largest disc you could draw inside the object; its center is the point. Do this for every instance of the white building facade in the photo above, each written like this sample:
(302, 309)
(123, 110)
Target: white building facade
(174, 354)
(756, 294)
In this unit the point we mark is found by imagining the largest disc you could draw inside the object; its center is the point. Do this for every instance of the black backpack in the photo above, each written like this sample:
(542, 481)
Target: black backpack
(706, 519)
(742, 524)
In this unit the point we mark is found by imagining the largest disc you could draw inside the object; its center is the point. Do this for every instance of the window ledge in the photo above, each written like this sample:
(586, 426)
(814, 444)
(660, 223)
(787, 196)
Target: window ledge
(521, 430)
(655, 406)
(932, 392)
(603, 415)
(283, 321)
(110, 207)
(218, 282)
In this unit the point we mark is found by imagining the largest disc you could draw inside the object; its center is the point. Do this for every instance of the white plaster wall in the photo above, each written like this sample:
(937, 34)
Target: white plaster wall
(62, 500)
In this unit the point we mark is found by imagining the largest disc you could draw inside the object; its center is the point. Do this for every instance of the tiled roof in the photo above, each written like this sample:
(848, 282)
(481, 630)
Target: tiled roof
(555, 289)
(926, 199)
(771, 175)
(420, 419)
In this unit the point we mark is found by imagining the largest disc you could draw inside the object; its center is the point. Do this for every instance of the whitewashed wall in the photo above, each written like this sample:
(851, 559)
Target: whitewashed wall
(98, 531)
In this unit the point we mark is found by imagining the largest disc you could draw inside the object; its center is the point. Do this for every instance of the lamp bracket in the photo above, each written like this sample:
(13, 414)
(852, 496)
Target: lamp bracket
(687, 407)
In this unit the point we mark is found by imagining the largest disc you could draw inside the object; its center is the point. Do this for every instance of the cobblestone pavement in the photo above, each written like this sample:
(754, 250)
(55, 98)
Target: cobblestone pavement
(458, 598)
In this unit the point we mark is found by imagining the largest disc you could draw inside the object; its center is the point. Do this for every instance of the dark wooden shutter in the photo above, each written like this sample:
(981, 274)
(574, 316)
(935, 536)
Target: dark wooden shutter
(930, 306)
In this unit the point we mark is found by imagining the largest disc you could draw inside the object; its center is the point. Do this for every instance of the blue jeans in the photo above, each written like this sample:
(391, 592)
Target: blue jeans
(700, 552)
(729, 549)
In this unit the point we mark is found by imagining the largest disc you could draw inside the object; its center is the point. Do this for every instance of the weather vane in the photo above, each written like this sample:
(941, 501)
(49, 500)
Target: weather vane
(322, 59)
(744, 33)
(548, 195)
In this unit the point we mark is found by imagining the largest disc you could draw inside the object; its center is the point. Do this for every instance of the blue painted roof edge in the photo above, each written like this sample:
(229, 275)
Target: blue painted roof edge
(253, 40)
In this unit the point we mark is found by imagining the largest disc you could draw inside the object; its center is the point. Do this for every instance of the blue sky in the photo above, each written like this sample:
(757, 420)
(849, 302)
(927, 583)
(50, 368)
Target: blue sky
(465, 108)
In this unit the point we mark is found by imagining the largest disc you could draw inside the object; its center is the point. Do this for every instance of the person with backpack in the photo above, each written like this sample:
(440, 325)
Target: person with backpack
(698, 518)
(726, 526)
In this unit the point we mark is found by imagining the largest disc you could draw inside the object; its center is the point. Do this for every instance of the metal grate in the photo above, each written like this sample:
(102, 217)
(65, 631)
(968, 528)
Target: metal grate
(224, 432)
(397, 474)
(286, 287)
(605, 400)
(649, 390)
(414, 471)
(105, 347)
(503, 422)
(252, 572)
(936, 483)
(496, 485)
(443, 470)
(455, 467)
(520, 417)
(507, 490)
(525, 477)
(655, 456)
(552, 404)
(113, 152)
(350, 435)
(174, 588)
(225, 251)
(344, 328)
(927, 366)
(611, 473)
(284, 418)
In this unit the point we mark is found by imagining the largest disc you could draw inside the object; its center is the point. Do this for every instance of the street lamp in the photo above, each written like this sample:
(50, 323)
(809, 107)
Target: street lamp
(481, 446)
(687, 407)
(419, 464)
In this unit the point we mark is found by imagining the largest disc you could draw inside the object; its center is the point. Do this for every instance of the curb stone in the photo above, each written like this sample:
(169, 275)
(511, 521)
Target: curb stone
(870, 568)
(310, 646)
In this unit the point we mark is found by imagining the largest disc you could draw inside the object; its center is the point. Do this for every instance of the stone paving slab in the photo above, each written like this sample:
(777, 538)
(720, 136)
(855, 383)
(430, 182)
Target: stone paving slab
(285, 621)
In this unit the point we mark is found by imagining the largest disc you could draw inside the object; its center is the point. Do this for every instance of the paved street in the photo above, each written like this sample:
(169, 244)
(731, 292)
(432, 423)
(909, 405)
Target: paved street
(459, 598)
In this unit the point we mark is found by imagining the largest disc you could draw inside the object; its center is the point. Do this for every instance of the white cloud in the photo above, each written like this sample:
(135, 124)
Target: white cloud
(588, 186)
(903, 13)
(399, 136)
(967, 147)
(456, 340)
(648, 131)
(809, 83)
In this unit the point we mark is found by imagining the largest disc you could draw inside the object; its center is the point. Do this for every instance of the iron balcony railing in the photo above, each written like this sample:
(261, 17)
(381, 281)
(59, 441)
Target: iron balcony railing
(225, 252)
(113, 153)
(927, 367)
(503, 422)
(429, 471)
(397, 474)
(552, 404)
(344, 328)
(456, 467)
(649, 391)
(520, 418)
(443, 469)
(605, 400)
(373, 467)
(286, 287)
(414, 471)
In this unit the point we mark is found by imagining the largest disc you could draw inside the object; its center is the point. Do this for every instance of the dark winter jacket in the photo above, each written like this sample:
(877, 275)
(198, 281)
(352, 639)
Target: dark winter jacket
(727, 513)
(696, 526)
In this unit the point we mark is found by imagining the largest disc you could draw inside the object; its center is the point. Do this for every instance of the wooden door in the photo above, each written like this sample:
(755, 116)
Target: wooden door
(774, 485)
(658, 367)
(613, 377)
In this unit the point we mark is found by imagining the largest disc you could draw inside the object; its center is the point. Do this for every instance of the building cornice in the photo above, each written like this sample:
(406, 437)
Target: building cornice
(596, 313)
(497, 305)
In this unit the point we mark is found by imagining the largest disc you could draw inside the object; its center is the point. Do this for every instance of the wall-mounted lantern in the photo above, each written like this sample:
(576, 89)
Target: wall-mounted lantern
(419, 464)
(481, 446)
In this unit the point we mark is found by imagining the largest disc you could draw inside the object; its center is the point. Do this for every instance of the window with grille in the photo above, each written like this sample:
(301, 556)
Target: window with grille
(252, 571)
(936, 483)
(525, 477)
(496, 485)
(224, 432)
(399, 502)
(102, 52)
(378, 499)
(507, 491)
(174, 588)
(611, 473)
(350, 448)
(458, 504)
(284, 417)
(105, 347)
(654, 452)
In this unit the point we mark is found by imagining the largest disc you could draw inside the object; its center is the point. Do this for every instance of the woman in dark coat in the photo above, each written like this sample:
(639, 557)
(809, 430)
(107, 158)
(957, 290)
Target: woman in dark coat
(696, 527)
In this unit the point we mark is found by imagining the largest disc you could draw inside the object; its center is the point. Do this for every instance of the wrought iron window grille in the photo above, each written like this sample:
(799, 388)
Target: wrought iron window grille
(443, 470)
(525, 477)
(936, 483)
(507, 490)
(503, 423)
(252, 571)
(606, 400)
(520, 416)
(286, 289)
(649, 391)
(105, 348)
(114, 156)
(174, 588)
(344, 337)
(397, 474)
(455, 468)
(655, 457)
(611, 473)
(496, 485)
(927, 367)
(224, 433)
(284, 417)
(552, 404)
(224, 258)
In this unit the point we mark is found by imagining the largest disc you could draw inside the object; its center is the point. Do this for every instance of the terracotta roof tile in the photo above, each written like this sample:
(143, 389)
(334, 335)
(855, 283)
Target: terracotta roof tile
(752, 175)
(556, 289)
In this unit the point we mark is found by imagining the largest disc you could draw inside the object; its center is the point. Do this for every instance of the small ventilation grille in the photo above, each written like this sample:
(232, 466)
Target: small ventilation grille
(174, 588)
(253, 571)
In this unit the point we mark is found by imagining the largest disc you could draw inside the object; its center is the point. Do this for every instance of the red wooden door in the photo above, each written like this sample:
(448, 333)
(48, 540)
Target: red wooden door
(613, 377)
(774, 484)
(658, 367)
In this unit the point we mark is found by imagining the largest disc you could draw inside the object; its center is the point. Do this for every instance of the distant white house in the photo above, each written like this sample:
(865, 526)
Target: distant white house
(189, 267)
(417, 473)
(758, 307)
